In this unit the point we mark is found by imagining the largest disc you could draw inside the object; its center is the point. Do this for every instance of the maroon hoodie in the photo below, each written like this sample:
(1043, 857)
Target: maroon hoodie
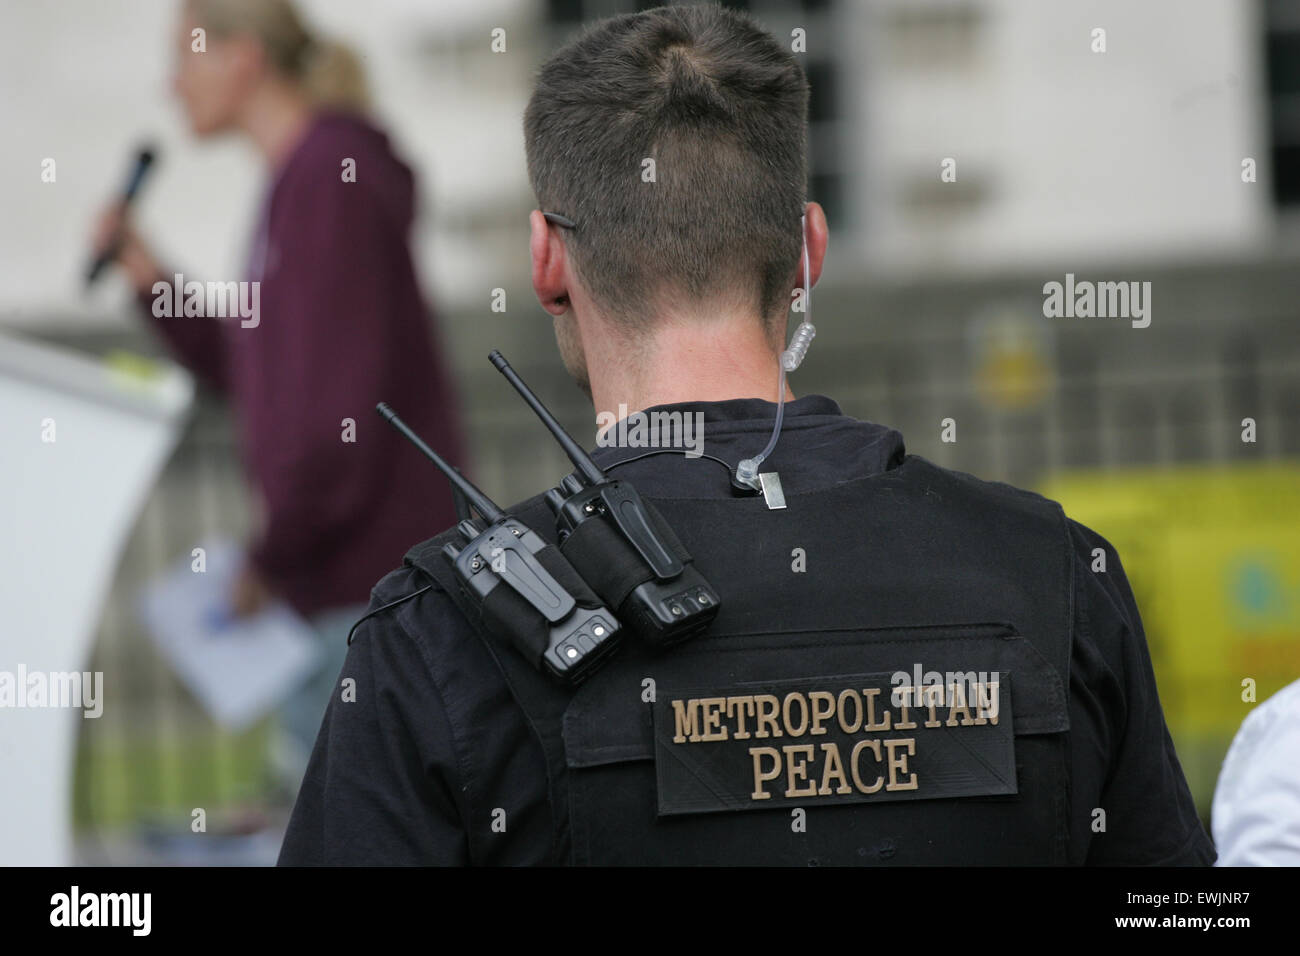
(342, 326)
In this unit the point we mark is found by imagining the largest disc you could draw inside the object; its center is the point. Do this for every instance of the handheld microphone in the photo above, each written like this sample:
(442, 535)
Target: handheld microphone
(524, 589)
(619, 544)
(139, 171)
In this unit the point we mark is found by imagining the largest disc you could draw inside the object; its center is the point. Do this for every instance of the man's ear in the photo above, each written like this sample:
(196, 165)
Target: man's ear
(549, 256)
(818, 236)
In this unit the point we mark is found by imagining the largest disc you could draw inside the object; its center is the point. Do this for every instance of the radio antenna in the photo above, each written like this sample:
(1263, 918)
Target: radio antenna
(480, 501)
(571, 448)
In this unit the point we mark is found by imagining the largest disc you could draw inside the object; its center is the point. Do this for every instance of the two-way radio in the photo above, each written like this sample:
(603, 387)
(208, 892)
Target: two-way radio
(615, 551)
(512, 575)
(622, 547)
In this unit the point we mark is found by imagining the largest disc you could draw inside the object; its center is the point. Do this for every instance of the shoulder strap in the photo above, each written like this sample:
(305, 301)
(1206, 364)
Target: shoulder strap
(542, 699)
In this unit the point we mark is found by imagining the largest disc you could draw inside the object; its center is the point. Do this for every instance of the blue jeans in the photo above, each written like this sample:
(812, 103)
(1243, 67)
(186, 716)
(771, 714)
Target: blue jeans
(302, 711)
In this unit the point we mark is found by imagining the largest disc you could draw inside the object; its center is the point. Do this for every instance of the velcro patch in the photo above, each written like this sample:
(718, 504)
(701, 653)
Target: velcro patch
(828, 740)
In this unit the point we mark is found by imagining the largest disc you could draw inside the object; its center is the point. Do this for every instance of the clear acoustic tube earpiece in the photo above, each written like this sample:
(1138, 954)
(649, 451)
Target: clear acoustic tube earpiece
(791, 358)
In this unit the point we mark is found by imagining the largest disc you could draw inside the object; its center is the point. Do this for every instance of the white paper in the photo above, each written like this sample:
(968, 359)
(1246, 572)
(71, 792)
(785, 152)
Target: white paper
(238, 669)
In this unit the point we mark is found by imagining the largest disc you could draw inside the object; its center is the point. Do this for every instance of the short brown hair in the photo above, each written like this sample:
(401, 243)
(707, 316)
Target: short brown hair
(722, 109)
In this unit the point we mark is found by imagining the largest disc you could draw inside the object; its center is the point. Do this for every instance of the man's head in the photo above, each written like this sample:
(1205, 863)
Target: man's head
(675, 141)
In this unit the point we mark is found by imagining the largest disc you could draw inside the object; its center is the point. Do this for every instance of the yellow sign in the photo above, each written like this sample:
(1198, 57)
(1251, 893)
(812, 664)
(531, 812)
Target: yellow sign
(1213, 556)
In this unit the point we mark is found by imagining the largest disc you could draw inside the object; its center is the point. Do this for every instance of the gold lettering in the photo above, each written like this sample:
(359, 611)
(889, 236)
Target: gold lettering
(900, 763)
(988, 701)
(736, 708)
(712, 708)
(761, 776)
(935, 694)
(871, 693)
(820, 716)
(768, 707)
(978, 695)
(803, 714)
(905, 695)
(834, 768)
(958, 704)
(857, 718)
(853, 765)
(798, 769)
(687, 721)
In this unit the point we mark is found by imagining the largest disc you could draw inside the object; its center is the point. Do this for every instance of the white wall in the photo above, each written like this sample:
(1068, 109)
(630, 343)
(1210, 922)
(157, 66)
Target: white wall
(1076, 154)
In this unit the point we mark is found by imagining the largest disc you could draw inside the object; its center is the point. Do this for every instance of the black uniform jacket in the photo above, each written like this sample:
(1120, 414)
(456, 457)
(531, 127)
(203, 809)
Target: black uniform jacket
(430, 759)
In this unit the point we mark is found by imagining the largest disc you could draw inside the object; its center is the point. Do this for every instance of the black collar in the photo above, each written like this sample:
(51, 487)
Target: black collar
(753, 409)
(733, 416)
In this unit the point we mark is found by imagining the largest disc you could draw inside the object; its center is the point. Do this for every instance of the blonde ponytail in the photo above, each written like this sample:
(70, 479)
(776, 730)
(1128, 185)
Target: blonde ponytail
(326, 70)
(333, 76)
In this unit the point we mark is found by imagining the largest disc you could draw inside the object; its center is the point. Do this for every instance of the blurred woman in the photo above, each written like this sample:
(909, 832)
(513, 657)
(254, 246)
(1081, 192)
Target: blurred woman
(341, 325)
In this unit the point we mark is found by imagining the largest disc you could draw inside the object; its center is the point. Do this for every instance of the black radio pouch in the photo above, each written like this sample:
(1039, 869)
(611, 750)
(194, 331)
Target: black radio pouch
(507, 615)
(662, 604)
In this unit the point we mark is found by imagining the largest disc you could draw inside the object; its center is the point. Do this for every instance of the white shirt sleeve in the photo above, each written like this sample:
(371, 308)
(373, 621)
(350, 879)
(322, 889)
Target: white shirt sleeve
(1256, 812)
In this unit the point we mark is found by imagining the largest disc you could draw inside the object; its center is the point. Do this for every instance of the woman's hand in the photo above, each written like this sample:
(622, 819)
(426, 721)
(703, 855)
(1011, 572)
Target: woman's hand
(250, 593)
(114, 231)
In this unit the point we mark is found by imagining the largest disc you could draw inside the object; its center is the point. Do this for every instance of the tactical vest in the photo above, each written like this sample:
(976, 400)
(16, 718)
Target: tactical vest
(771, 739)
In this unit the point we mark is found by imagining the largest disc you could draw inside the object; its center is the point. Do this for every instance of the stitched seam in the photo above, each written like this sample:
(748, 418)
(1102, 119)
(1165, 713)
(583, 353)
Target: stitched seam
(463, 794)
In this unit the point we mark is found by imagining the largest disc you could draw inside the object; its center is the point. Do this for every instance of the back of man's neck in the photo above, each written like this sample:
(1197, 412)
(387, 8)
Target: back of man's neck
(710, 360)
